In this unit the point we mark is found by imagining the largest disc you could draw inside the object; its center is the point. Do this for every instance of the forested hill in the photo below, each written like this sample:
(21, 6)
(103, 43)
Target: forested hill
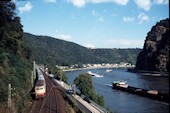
(52, 51)
(15, 59)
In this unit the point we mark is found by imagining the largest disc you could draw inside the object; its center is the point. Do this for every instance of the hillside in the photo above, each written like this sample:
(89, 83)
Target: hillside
(155, 54)
(15, 61)
(48, 50)
(52, 51)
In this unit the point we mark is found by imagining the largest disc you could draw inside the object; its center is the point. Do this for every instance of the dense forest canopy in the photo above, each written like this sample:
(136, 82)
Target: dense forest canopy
(15, 58)
(51, 51)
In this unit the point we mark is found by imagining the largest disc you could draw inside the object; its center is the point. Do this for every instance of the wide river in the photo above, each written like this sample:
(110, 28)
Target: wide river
(124, 102)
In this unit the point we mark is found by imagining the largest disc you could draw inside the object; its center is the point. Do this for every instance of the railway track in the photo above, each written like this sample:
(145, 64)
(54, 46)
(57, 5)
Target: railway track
(53, 102)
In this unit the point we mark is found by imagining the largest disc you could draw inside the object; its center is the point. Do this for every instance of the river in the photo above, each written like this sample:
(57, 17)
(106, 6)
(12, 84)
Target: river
(124, 102)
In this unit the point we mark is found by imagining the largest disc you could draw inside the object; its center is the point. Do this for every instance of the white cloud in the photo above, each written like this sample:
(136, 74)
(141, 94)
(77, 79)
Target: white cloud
(64, 37)
(56, 31)
(144, 4)
(82, 3)
(119, 2)
(89, 45)
(128, 19)
(161, 1)
(78, 3)
(50, 1)
(123, 43)
(101, 19)
(94, 13)
(143, 18)
(27, 8)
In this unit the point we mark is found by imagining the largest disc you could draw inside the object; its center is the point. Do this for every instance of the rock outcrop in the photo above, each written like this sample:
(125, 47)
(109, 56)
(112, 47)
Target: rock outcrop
(155, 53)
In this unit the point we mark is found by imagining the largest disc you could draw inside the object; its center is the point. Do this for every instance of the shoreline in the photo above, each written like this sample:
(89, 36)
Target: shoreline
(103, 67)
(130, 69)
(149, 73)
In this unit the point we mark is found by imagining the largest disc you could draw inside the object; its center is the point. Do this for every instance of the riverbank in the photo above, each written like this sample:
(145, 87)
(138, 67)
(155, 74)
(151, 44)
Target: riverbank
(129, 69)
(106, 67)
(149, 73)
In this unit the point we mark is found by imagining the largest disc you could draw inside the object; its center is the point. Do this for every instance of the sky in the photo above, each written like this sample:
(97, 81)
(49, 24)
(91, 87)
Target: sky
(93, 23)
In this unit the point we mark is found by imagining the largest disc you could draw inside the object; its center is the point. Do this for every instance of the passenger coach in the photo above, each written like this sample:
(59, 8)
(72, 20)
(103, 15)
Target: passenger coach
(40, 85)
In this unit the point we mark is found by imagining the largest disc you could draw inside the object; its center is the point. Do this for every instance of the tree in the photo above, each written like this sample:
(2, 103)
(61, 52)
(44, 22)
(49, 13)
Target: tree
(59, 74)
(15, 62)
(7, 12)
(100, 100)
(85, 85)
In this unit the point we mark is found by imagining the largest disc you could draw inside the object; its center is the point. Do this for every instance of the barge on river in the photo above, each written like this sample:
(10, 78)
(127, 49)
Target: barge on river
(153, 94)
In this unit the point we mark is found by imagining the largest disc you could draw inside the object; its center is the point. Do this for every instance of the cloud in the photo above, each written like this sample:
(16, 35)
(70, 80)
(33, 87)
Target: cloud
(119, 2)
(27, 8)
(161, 1)
(63, 37)
(128, 19)
(82, 3)
(78, 3)
(144, 4)
(143, 18)
(89, 45)
(101, 19)
(50, 1)
(123, 43)
(94, 13)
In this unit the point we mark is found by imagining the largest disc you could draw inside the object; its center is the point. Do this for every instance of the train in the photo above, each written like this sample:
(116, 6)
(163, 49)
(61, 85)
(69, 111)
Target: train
(40, 85)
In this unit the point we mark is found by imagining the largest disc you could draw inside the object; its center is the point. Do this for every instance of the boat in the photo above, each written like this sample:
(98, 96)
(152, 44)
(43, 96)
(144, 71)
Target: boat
(94, 74)
(153, 94)
(120, 83)
(90, 73)
(108, 70)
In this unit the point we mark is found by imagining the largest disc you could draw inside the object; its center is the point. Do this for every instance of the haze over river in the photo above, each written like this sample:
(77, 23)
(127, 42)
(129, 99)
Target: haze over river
(124, 102)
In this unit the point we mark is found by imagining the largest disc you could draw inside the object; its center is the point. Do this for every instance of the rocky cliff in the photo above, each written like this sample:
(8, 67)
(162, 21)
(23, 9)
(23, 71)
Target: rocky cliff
(155, 53)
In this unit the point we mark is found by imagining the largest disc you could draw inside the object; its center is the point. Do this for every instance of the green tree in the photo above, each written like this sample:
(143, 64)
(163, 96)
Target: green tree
(7, 12)
(85, 85)
(100, 100)
(59, 74)
(15, 62)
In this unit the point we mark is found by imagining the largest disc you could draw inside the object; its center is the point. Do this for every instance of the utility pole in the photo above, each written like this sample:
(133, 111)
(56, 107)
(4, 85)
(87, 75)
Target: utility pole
(34, 72)
(32, 78)
(9, 96)
(60, 75)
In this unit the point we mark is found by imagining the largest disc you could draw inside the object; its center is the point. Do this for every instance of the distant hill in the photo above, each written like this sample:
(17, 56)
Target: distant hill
(52, 51)
(155, 54)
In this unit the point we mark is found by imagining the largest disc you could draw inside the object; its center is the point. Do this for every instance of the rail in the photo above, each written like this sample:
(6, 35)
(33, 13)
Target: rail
(92, 103)
(101, 109)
